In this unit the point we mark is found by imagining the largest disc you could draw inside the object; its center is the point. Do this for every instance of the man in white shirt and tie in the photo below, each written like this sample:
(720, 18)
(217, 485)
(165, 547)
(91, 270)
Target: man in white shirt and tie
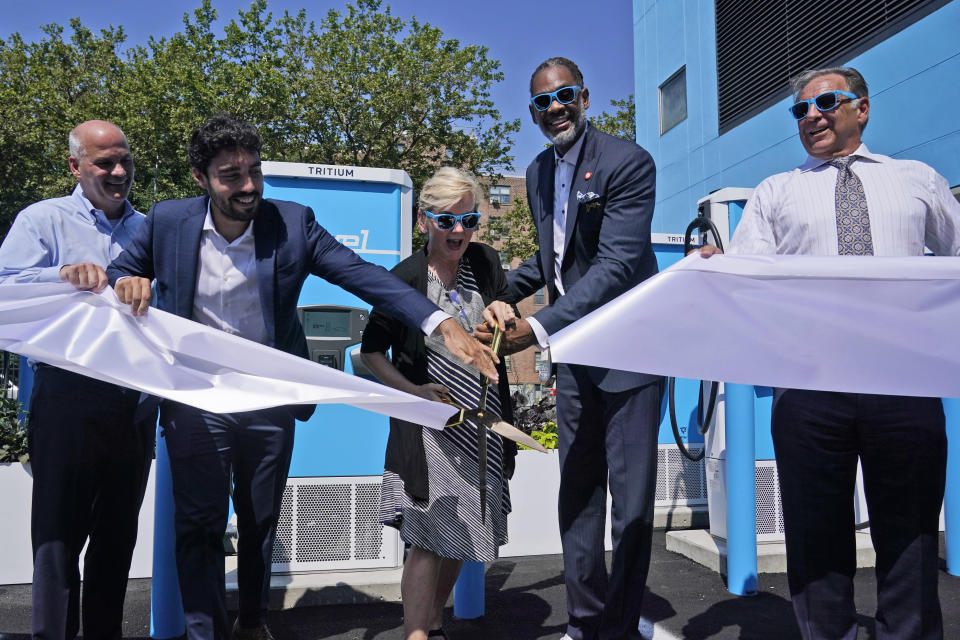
(846, 200)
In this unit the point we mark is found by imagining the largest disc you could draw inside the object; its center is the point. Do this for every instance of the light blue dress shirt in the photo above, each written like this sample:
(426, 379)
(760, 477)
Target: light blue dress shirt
(52, 233)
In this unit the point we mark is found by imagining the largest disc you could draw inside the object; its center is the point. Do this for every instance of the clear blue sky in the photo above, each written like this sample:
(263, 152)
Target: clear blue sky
(597, 35)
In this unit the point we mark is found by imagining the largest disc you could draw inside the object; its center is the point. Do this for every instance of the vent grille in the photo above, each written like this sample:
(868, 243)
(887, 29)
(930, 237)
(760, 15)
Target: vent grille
(329, 523)
(679, 481)
(366, 523)
(321, 534)
(761, 44)
(769, 510)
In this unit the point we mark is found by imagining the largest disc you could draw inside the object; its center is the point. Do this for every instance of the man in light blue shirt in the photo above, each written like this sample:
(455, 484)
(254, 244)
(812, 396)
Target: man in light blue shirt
(90, 446)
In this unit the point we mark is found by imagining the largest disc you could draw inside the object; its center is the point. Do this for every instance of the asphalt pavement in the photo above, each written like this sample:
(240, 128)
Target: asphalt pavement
(525, 601)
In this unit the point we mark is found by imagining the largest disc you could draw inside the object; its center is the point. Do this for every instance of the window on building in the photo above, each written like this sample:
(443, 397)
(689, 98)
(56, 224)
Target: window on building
(540, 297)
(537, 359)
(508, 363)
(761, 45)
(500, 194)
(673, 101)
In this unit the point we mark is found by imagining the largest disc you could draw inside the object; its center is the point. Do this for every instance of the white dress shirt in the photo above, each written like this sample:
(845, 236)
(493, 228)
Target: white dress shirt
(910, 206)
(563, 167)
(52, 233)
(227, 295)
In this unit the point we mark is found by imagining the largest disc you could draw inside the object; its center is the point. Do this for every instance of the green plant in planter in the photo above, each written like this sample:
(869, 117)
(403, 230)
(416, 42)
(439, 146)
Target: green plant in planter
(539, 420)
(13, 437)
(545, 435)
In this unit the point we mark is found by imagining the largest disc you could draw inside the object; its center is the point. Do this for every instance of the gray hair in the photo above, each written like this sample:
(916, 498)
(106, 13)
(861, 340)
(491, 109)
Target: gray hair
(447, 187)
(77, 150)
(75, 139)
(855, 82)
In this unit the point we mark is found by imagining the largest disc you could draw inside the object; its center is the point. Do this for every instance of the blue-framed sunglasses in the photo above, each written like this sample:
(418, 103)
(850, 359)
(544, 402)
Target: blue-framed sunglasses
(447, 221)
(825, 102)
(563, 95)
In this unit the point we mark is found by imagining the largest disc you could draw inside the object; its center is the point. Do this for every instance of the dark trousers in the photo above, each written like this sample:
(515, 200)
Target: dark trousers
(206, 449)
(90, 460)
(901, 443)
(605, 438)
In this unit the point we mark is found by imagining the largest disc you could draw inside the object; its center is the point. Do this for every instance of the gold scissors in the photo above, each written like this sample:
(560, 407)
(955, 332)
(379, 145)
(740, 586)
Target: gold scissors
(491, 421)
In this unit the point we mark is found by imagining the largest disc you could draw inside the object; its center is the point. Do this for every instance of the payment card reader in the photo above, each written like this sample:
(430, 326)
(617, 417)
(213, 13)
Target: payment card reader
(331, 329)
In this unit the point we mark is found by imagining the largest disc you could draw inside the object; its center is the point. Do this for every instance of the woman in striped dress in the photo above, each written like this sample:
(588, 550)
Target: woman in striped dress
(430, 482)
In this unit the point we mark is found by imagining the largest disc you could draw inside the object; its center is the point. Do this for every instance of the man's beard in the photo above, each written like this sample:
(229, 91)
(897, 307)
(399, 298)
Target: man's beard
(225, 206)
(566, 138)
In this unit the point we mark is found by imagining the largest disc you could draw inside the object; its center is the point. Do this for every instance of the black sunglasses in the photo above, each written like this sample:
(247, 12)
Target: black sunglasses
(563, 95)
(447, 221)
(825, 102)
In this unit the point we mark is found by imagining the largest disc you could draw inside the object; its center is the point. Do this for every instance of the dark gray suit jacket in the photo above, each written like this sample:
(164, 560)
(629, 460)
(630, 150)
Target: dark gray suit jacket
(608, 248)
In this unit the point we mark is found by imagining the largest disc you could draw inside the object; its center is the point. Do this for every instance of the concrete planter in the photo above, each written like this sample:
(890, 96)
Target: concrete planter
(16, 551)
(533, 525)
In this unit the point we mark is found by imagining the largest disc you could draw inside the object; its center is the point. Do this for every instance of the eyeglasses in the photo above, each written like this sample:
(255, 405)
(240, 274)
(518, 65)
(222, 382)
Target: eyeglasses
(825, 102)
(447, 221)
(563, 95)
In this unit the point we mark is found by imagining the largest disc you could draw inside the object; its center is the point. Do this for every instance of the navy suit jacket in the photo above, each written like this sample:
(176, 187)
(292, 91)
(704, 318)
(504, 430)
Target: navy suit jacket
(289, 246)
(607, 236)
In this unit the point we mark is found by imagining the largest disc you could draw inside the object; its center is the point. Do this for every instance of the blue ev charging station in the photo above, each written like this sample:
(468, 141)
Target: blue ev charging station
(681, 491)
(740, 485)
(329, 518)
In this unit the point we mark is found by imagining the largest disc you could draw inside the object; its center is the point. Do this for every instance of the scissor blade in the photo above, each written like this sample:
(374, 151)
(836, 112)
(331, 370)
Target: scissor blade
(510, 432)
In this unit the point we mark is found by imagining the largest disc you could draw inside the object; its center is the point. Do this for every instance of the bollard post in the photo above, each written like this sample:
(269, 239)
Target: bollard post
(951, 496)
(741, 490)
(166, 607)
(468, 597)
(24, 389)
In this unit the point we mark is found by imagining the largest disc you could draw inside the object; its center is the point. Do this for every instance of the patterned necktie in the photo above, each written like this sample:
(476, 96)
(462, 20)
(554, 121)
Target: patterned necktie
(853, 220)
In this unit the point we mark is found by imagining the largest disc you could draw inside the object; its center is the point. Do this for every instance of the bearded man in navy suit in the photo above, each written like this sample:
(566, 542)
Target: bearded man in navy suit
(591, 196)
(237, 262)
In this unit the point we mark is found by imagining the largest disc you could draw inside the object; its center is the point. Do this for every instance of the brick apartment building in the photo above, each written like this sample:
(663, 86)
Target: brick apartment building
(521, 367)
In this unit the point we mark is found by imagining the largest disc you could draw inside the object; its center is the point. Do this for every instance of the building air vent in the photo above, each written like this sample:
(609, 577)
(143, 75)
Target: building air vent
(679, 480)
(761, 44)
(332, 523)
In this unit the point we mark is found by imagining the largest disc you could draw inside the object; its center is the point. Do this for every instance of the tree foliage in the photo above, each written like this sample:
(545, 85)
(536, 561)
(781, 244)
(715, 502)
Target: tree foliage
(363, 88)
(514, 231)
(621, 123)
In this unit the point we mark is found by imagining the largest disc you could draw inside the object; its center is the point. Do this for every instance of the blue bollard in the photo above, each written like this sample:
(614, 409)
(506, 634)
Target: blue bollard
(951, 497)
(741, 490)
(166, 607)
(24, 389)
(468, 600)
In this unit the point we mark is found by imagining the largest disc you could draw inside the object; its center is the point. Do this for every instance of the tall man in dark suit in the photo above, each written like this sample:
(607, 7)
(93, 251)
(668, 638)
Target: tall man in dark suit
(591, 196)
(234, 261)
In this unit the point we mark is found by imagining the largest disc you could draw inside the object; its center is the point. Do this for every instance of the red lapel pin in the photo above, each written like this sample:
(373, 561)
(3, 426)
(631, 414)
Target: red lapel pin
(587, 175)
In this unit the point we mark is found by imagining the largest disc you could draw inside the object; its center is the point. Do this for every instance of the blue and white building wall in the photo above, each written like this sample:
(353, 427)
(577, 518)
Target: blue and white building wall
(914, 90)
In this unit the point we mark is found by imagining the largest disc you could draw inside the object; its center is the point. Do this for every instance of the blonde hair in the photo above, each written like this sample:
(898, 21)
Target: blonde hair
(447, 187)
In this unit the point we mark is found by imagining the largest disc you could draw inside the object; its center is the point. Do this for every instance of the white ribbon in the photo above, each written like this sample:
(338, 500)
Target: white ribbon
(171, 357)
(857, 324)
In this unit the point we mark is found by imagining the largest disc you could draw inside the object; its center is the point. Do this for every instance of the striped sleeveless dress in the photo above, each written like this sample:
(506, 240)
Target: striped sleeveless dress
(449, 523)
